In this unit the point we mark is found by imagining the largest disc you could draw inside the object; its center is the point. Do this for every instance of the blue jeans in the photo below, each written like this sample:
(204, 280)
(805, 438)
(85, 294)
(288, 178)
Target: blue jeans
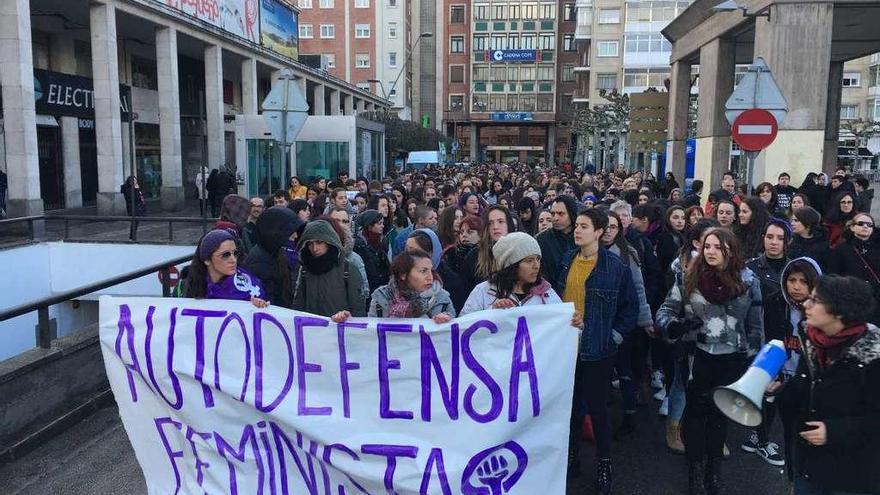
(803, 486)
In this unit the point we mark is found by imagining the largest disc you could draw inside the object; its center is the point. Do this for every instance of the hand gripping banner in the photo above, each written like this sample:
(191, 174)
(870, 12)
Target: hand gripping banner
(220, 397)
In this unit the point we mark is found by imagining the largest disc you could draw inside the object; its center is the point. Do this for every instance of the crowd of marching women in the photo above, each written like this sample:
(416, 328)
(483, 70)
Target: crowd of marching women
(675, 290)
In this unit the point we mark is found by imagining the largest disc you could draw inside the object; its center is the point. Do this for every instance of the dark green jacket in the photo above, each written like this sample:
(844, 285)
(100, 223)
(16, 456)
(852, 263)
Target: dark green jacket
(338, 289)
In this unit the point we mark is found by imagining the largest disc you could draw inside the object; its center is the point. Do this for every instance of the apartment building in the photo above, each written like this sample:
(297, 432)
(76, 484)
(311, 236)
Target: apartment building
(364, 42)
(860, 101)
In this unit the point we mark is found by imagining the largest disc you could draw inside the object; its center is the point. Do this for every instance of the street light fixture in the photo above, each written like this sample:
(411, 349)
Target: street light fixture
(732, 6)
(408, 58)
(381, 86)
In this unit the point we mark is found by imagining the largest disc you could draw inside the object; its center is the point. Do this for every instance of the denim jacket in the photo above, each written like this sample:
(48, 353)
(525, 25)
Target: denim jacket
(611, 306)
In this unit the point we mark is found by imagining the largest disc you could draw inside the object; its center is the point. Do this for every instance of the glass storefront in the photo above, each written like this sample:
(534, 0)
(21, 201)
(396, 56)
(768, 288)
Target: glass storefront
(321, 158)
(148, 157)
(369, 154)
(267, 171)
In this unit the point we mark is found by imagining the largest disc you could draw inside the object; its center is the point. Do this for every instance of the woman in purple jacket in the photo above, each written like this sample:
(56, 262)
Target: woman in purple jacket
(214, 272)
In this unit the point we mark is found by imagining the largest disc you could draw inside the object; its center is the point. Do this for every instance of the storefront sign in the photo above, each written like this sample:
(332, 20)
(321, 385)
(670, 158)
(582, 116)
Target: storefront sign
(220, 397)
(512, 116)
(511, 56)
(279, 29)
(238, 17)
(68, 95)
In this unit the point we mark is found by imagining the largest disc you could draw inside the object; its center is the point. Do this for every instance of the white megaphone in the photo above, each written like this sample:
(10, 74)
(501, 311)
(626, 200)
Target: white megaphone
(741, 400)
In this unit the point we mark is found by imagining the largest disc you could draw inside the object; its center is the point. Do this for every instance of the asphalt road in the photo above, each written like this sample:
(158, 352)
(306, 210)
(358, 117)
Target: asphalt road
(95, 457)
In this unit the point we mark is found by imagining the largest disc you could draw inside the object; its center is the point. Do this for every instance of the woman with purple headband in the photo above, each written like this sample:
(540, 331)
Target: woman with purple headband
(215, 274)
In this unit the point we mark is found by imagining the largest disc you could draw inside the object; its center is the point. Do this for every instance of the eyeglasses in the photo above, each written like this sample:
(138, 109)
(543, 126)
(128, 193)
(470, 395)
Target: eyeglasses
(226, 254)
(864, 224)
(811, 300)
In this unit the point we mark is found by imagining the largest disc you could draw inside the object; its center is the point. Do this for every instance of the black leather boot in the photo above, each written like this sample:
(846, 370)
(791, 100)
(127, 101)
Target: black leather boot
(696, 476)
(712, 479)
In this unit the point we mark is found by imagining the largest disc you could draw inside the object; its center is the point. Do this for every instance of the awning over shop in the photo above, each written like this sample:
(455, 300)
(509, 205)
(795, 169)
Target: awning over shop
(854, 153)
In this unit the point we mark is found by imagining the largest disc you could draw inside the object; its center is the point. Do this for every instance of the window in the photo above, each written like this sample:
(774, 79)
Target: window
(392, 30)
(529, 11)
(361, 4)
(498, 42)
(568, 73)
(499, 73)
(548, 11)
(512, 73)
(852, 79)
(608, 48)
(362, 61)
(480, 103)
(545, 73)
(849, 112)
(499, 12)
(646, 43)
(143, 73)
(568, 43)
(456, 14)
(456, 73)
(528, 41)
(527, 73)
(512, 103)
(305, 4)
(643, 78)
(497, 103)
(606, 81)
(392, 3)
(306, 31)
(393, 90)
(547, 41)
(513, 41)
(331, 60)
(609, 16)
(513, 12)
(545, 103)
(364, 86)
(481, 73)
(569, 12)
(328, 31)
(479, 44)
(456, 102)
(392, 59)
(481, 12)
(456, 44)
(527, 103)
(325, 4)
(361, 30)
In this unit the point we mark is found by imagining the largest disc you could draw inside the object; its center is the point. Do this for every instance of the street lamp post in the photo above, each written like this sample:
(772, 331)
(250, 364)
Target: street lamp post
(406, 62)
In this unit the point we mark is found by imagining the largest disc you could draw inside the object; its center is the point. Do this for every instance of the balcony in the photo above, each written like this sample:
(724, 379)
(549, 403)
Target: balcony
(581, 69)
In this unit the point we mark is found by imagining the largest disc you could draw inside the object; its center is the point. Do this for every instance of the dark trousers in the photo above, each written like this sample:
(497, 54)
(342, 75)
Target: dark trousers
(592, 381)
(625, 371)
(132, 230)
(768, 414)
(704, 427)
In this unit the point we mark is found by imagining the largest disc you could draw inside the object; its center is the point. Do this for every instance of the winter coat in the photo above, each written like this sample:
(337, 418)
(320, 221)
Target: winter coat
(644, 319)
(435, 299)
(860, 259)
(138, 204)
(776, 309)
(554, 245)
(338, 289)
(668, 247)
(469, 275)
(835, 232)
(735, 326)
(864, 200)
(784, 195)
(815, 247)
(249, 236)
(375, 261)
(454, 257)
(273, 229)
(651, 273)
(843, 396)
(483, 297)
(610, 309)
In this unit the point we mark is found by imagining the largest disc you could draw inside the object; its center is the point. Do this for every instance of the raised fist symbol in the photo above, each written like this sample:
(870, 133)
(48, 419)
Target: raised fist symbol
(495, 470)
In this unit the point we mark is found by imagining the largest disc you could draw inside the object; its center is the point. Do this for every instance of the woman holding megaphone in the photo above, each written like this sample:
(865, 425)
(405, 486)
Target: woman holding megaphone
(837, 393)
(718, 305)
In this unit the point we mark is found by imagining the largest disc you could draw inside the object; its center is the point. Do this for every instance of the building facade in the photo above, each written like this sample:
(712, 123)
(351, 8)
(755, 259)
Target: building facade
(95, 92)
(364, 42)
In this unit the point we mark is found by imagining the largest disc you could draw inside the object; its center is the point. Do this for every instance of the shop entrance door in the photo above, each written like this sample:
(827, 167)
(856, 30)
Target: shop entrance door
(51, 168)
(88, 164)
(267, 171)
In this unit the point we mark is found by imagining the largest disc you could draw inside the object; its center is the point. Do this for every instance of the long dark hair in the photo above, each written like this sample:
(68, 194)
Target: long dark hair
(730, 274)
(834, 215)
(752, 234)
(197, 280)
(445, 225)
(485, 258)
(505, 280)
(620, 239)
(402, 264)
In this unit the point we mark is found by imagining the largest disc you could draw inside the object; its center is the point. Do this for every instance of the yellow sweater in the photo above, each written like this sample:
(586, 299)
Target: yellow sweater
(577, 276)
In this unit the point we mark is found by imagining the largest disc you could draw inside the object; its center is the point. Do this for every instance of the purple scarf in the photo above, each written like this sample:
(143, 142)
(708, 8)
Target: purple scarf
(238, 287)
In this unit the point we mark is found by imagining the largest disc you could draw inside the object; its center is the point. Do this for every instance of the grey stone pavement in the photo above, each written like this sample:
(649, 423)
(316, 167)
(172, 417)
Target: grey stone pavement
(95, 457)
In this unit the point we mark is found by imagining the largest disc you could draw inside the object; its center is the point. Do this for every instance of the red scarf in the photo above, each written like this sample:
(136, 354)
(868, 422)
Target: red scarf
(373, 239)
(713, 288)
(830, 348)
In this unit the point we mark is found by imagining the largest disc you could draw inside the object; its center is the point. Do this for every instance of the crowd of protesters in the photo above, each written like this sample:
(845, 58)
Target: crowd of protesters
(675, 289)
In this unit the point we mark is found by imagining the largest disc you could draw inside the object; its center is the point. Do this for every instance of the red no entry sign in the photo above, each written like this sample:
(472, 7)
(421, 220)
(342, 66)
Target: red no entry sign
(754, 129)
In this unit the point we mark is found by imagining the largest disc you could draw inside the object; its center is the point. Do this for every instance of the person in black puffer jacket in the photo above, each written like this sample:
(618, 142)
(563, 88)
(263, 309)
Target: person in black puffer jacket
(371, 245)
(267, 261)
(809, 237)
(859, 256)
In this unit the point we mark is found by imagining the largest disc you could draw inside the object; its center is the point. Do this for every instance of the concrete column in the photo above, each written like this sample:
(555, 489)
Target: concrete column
(348, 104)
(108, 125)
(169, 119)
(361, 106)
(214, 106)
(275, 76)
(70, 154)
(679, 102)
(475, 143)
(796, 43)
(303, 85)
(249, 103)
(318, 100)
(371, 107)
(717, 66)
(334, 102)
(832, 117)
(551, 146)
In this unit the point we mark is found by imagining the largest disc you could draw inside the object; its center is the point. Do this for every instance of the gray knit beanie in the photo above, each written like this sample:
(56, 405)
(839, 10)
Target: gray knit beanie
(513, 247)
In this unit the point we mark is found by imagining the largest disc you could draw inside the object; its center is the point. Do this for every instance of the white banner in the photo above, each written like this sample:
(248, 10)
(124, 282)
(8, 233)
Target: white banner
(238, 17)
(219, 397)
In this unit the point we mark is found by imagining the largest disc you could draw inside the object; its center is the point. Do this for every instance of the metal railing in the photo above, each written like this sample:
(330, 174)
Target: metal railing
(46, 332)
(67, 219)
